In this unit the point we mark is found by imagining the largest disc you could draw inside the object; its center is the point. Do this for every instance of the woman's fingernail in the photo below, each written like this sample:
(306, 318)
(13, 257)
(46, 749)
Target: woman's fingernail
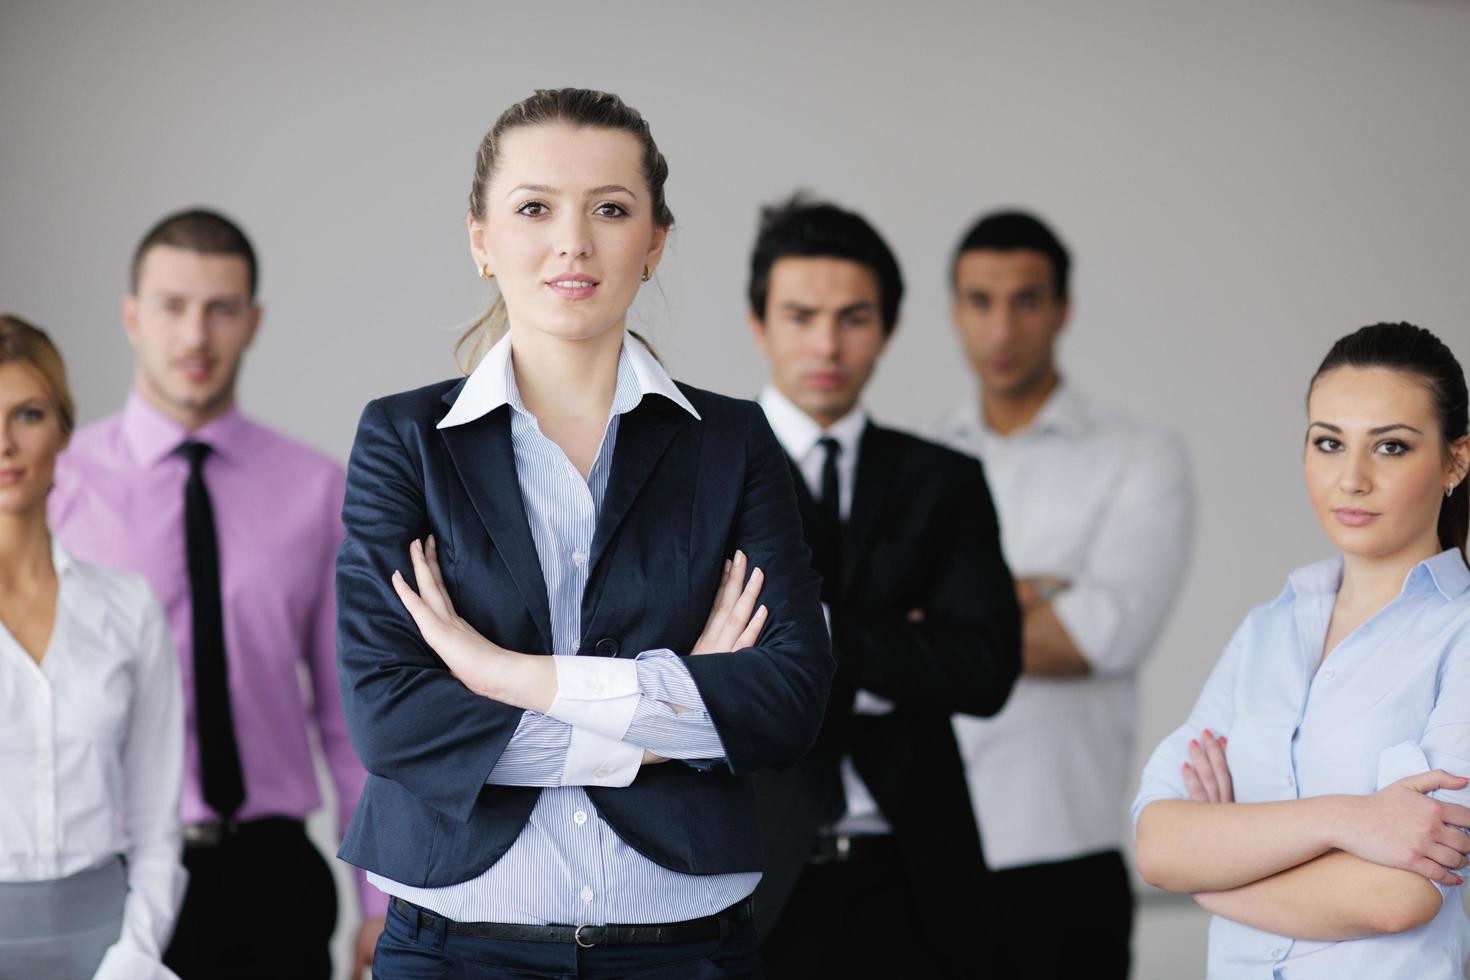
(1222, 741)
(1193, 744)
(1186, 765)
(1207, 733)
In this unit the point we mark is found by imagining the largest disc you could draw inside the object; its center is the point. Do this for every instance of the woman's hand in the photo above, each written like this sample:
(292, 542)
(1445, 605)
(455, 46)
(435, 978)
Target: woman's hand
(484, 667)
(734, 622)
(1207, 774)
(1400, 826)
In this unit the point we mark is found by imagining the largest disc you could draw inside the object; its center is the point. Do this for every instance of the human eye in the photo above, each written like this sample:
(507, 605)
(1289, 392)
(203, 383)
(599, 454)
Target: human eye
(532, 209)
(610, 209)
(1327, 444)
(227, 308)
(31, 414)
(980, 301)
(858, 320)
(1392, 447)
(1027, 301)
(173, 305)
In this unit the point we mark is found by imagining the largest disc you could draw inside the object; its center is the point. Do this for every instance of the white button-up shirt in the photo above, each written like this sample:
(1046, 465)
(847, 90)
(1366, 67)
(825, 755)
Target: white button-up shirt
(91, 754)
(1106, 505)
(1392, 700)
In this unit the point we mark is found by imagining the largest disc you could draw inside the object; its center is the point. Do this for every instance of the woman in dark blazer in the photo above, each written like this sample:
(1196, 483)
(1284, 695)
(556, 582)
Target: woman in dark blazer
(588, 812)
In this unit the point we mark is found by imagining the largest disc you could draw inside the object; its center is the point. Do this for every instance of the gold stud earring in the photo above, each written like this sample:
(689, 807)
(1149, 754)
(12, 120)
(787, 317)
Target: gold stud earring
(647, 273)
(485, 272)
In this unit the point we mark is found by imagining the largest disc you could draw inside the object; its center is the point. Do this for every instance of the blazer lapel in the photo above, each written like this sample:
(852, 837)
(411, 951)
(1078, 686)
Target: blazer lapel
(644, 435)
(869, 488)
(483, 457)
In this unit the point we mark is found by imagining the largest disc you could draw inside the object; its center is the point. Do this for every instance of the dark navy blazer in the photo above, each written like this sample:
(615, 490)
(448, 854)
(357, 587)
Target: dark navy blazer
(683, 494)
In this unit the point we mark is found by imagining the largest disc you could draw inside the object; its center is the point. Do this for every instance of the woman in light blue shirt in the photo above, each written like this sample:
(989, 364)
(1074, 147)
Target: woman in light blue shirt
(1328, 845)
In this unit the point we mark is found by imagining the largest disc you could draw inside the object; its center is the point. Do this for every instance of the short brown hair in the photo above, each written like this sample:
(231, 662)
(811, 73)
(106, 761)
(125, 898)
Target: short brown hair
(24, 343)
(197, 230)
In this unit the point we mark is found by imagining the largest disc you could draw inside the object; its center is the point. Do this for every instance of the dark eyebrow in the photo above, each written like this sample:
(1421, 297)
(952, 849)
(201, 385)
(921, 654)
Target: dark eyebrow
(1372, 432)
(861, 306)
(594, 192)
(797, 307)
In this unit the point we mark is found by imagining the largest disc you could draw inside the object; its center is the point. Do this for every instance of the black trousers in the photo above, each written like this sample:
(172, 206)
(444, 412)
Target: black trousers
(260, 904)
(863, 917)
(1064, 920)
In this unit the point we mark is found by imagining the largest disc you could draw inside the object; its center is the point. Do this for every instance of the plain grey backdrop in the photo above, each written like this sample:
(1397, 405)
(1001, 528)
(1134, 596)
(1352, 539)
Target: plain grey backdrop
(1239, 183)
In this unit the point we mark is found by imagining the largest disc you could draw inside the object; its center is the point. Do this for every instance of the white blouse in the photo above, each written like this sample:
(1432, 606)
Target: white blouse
(91, 754)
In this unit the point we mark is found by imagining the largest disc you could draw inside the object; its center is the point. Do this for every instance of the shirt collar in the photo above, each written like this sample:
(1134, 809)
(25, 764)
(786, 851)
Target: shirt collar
(152, 436)
(1065, 412)
(61, 560)
(493, 383)
(798, 433)
(1445, 571)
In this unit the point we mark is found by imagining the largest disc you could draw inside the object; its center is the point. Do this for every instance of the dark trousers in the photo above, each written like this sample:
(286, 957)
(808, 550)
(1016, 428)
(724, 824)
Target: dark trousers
(863, 917)
(267, 868)
(1064, 919)
(409, 950)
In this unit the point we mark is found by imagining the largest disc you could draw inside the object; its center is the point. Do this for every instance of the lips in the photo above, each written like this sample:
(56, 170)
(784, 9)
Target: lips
(195, 368)
(1352, 517)
(9, 478)
(824, 380)
(576, 286)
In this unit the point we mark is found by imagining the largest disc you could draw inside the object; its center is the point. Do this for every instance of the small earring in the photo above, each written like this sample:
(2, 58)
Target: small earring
(647, 273)
(485, 272)
(1449, 490)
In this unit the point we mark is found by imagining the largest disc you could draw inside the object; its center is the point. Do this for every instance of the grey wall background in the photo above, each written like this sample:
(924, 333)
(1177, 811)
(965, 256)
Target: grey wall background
(1240, 183)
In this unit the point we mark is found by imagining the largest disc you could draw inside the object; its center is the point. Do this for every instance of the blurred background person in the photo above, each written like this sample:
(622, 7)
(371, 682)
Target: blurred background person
(1096, 516)
(236, 526)
(1328, 836)
(871, 852)
(91, 719)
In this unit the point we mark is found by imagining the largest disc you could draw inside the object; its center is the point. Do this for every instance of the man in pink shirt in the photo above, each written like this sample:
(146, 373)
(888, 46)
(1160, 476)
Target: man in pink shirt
(237, 528)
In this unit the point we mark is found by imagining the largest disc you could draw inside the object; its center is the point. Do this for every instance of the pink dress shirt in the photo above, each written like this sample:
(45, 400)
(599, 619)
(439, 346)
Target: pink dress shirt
(119, 501)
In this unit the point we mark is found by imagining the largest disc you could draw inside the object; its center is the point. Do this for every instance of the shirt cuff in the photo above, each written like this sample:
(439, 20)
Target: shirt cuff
(124, 961)
(599, 694)
(595, 760)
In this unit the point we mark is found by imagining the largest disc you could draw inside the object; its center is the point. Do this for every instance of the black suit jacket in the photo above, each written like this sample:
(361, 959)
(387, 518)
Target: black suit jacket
(922, 534)
(682, 495)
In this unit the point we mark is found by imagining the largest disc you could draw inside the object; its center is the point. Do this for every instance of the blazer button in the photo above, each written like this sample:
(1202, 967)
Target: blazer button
(606, 647)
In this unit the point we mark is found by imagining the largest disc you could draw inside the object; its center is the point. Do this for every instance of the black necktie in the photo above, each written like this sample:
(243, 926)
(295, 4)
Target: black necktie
(219, 757)
(828, 546)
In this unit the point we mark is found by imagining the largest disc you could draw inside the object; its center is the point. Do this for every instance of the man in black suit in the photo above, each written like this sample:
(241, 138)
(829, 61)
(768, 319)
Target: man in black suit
(872, 860)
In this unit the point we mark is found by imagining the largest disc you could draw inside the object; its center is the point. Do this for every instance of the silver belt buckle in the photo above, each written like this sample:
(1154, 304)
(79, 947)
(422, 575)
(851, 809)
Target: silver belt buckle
(577, 935)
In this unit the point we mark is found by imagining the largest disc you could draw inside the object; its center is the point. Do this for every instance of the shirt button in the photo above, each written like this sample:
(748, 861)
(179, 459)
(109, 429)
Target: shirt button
(580, 817)
(1289, 781)
(1277, 953)
(1327, 673)
(600, 772)
(586, 894)
(579, 558)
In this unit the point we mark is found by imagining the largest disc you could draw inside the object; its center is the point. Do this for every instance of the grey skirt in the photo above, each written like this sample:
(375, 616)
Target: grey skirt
(61, 929)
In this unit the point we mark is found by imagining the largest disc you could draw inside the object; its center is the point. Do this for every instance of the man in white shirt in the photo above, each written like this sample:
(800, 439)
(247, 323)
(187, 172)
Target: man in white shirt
(870, 851)
(1096, 518)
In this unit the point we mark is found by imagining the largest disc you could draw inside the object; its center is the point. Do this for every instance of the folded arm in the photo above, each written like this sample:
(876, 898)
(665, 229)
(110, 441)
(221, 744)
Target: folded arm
(963, 655)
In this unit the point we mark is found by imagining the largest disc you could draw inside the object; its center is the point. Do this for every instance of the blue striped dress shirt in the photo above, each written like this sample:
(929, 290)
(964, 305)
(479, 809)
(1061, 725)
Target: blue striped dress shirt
(568, 866)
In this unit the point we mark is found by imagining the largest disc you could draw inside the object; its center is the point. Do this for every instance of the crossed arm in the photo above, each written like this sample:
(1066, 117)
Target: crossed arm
(1322, 868)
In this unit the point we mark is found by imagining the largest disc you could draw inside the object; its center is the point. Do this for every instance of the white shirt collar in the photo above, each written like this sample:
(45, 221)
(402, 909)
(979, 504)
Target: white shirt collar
(1065, 412)
(798, 433)
(1445, 572)
(493, 384)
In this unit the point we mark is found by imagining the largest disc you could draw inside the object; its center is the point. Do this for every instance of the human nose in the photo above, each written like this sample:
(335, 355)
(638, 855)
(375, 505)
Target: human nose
(194, 327)
(8, 445)
(574, 235)
(1356, 476)
(822, 339)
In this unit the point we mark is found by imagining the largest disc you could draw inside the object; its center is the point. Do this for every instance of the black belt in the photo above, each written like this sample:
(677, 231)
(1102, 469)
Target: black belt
(214, 833)
(831, 847)
(689, 931)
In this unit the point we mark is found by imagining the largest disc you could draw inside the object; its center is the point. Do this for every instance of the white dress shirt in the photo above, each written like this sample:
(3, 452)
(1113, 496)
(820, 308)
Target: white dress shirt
(1105, 505)
(1391, 700)
(801, 437)
(568, 866)
(91, 754)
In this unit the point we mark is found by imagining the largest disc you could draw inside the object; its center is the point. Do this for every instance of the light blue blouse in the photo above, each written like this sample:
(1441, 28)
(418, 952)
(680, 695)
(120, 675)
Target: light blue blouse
(1391, 701)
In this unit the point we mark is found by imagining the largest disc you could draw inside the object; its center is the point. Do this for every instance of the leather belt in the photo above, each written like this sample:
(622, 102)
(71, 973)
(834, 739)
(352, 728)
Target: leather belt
(831, 847)
(214, 833)
(689, 931)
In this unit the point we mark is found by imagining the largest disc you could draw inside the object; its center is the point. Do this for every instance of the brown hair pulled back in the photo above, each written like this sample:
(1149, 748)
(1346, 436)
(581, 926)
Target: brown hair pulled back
(23, 343)
(579, 107)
